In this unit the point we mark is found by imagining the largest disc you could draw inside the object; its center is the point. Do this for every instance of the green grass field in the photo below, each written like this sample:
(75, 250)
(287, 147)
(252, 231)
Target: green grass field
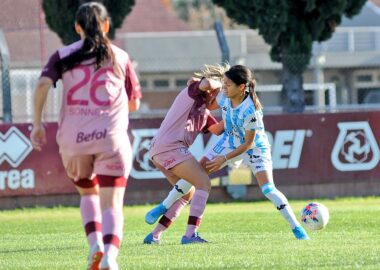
(243, 236)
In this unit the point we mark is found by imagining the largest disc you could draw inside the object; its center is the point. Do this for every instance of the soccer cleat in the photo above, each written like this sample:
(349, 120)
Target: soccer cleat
(107, 264)
(94, 258)
(152, 216)
(300, 233)
(150, 240)
(196, 238)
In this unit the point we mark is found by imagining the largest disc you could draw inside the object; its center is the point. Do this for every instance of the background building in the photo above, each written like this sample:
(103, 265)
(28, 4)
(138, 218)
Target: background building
(343, 72)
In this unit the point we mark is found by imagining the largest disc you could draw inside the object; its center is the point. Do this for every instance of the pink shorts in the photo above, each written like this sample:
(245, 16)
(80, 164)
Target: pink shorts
(173, 157)
(112, 163)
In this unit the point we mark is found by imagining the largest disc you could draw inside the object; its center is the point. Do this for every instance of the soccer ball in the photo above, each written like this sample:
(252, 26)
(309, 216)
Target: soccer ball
(315, 216)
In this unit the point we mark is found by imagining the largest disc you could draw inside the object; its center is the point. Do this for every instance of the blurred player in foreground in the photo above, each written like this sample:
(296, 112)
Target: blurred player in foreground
(100, 87)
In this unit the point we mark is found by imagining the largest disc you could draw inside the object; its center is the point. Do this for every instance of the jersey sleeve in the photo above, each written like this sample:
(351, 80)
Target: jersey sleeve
(50, 70)
(253, 121)
(209, 122)
(194, 91)
(132, 84)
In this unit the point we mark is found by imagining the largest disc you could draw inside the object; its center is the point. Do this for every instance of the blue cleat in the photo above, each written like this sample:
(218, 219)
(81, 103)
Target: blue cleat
(152, 216)
(150, 240)
(196, 238)
(300, 233)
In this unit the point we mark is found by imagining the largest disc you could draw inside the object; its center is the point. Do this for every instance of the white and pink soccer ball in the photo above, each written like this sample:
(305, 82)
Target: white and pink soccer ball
(315, 216)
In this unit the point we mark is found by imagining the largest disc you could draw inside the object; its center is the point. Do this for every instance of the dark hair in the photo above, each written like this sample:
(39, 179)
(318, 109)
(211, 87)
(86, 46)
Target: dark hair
(90, 17)
(240, 74)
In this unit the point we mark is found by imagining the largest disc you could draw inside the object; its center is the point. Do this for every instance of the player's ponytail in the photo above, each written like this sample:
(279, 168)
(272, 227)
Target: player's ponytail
(251, 85)
(96, 45)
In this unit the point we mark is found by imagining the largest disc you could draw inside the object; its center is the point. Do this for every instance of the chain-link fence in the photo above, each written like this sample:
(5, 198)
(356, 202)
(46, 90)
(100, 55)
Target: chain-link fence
(334, 93)
(342, 73)
(23, 83)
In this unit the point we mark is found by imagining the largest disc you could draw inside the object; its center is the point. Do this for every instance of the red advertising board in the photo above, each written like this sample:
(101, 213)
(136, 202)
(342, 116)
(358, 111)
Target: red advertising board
(325, 148)
(24, 171)
(306, 149)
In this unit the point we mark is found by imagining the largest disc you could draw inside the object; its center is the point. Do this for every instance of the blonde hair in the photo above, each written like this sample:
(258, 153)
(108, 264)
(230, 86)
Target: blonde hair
(215, 72)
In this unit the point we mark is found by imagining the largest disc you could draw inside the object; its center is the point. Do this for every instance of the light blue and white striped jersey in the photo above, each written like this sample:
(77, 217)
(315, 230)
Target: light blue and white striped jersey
(238, 120)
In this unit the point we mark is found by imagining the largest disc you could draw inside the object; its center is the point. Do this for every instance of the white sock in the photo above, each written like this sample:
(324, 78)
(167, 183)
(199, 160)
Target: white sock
(181, 188)
(281, 203)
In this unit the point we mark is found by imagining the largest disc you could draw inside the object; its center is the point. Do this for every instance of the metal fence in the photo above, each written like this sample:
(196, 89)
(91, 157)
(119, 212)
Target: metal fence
(323, 96)
(23, 83)
(343, 74)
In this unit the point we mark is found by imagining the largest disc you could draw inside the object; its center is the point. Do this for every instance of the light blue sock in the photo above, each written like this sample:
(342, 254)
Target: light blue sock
(281, 203)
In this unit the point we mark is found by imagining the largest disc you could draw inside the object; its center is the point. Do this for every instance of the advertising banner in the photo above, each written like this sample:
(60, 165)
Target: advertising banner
(325, 148)
(306, 149)
(24, 171)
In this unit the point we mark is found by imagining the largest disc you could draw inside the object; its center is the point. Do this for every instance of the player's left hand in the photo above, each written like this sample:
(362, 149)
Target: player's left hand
(215, 164)
(38, 137)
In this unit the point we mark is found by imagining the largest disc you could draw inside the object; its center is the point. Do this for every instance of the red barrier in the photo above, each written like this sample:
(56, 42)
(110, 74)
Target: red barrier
(24, 171)
(307, 149)
(325, 148)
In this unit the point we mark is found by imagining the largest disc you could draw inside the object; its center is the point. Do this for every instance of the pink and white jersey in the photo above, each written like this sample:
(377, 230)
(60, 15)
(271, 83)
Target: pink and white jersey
(94, 111)
(186, 118)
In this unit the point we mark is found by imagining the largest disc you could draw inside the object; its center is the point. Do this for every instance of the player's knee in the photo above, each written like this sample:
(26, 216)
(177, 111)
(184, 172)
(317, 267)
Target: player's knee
(268, 188)
(189, 195)
(205, 186)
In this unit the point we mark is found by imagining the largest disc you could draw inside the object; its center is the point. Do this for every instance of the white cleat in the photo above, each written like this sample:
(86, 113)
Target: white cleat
(108, 264)
(94, 257)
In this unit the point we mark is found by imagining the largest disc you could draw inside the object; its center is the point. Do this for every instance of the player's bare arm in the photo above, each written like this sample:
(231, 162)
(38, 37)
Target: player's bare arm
(38, 134)
(134, 105)
(212, 87)
(217, 128)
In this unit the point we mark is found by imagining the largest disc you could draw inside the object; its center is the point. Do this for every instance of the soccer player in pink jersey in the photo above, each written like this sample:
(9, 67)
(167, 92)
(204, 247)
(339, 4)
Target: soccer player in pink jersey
(188, 116)
(100, 87)
(244, 140)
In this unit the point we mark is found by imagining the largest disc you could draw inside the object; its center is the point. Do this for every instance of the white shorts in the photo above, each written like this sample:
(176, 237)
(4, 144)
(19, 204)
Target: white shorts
(257, 160)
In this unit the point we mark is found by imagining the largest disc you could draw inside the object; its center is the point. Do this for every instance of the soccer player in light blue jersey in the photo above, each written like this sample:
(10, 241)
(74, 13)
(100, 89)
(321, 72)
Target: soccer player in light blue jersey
(244, 140)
